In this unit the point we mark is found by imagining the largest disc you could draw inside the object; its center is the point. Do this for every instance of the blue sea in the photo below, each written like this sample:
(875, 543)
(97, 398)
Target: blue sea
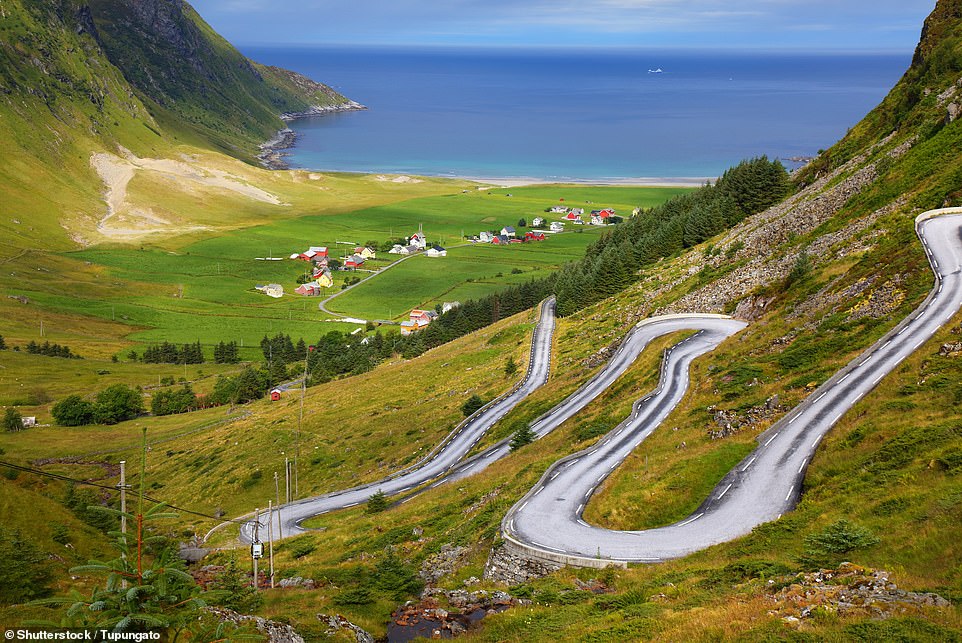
(597, 115)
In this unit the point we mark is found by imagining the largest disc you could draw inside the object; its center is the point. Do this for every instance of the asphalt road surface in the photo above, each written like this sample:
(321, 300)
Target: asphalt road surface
(768, 481)
(286, 519)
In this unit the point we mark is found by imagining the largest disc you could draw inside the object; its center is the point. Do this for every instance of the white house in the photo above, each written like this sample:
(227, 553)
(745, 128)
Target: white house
(538, 221)
(396, 249)
(450, 305)
(436, 251)
(271, 290)
(557, 226)
(485, 237)
(508, 231)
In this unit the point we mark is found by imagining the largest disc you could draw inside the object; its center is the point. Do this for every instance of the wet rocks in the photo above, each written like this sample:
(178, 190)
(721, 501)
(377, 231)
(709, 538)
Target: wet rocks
(445, 613)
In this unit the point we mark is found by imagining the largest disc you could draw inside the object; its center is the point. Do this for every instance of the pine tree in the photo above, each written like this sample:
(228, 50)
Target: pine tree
(511, 367)
(522, 436)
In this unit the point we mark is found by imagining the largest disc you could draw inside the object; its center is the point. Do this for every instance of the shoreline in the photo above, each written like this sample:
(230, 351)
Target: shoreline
(271, 154)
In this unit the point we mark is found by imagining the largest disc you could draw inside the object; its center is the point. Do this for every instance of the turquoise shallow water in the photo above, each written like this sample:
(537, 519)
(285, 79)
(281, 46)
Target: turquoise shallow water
(593, 115)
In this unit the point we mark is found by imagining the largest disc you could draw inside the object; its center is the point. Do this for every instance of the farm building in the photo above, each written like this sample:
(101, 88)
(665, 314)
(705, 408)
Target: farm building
(578, 211)
(485, 237)
(450, 305)
(500, 239)
(275, 394)
(537, 221)
(437, 251)
(559, 209)
(396, 249)
(271, 290)
(419, 239)
(310, 289)
(353, 262)
(314, 253)
(28, 421)
(557, 226)
(571, 216)
(534, 235)
(508, 231)
(409, 250)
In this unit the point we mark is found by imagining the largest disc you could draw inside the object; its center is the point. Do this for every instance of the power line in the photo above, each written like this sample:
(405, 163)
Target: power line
(57, 476)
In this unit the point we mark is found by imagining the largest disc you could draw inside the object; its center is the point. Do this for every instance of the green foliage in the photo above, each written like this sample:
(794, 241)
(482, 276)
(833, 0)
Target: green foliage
(377, 503)
(593, 429)
(25, 573)
(472, 404)
(398, 579)
(235, 590)
(12, 420)
(51, 350)
(85, 504)
(117, 403)
(827, 547)
(168, 402)
(73, 410)
(303, 546)
(612, 262)
(511, 367)
(800, 270)
(522, 436)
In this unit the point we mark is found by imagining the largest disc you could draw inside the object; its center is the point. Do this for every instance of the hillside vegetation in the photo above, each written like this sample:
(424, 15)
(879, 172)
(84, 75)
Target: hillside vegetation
(820, 276)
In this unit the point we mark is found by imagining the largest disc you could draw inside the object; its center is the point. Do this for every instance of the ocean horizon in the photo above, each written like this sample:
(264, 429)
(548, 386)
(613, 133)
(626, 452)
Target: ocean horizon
(558, 115)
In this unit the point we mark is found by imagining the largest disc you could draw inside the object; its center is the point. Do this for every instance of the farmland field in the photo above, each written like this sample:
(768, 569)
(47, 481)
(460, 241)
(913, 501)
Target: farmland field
(204, 291)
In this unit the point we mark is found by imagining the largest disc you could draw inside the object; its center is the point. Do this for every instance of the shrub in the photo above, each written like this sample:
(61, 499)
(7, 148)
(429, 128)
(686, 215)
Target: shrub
(826, 547)
(12, 420)
(118, 403)
(73, 410)
(471, 405)
(377, 503)
(522, 436)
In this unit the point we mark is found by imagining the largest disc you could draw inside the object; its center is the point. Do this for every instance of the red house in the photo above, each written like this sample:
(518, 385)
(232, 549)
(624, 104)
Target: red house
(275, 395)
(534, 236)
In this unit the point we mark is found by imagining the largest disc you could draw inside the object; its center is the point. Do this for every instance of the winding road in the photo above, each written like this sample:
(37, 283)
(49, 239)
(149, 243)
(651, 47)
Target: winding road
(768, 482)
(287, 518)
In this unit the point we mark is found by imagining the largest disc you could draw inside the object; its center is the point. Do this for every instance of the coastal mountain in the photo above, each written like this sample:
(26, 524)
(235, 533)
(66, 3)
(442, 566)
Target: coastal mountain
(189, 76)
(81, 77)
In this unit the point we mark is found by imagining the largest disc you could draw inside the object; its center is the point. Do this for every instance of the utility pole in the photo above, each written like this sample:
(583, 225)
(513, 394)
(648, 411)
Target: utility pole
(256, 547)
(277, 495)
(123, 512)
(287, 480)
(270, 536)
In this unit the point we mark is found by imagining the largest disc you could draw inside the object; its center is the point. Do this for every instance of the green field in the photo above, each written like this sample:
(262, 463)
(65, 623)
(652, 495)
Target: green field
(204, 291)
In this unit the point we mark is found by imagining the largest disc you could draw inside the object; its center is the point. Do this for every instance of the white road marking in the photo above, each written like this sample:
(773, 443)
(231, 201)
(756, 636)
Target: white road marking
(682, 524)
(723, 492)
(745, 468)
(521, 508)
(804, 462)
(817, 440)
(540, 489)
(844, 378)
(770, 439)
(790, 493)
(580, 507)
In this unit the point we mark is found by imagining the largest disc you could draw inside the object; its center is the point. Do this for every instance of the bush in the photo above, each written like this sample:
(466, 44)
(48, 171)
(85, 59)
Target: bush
(73, 410)
(377, 503)
(24, 571)
(522, 436)
(471, 405)
(118, 403)
(12, 420)
(827, 547)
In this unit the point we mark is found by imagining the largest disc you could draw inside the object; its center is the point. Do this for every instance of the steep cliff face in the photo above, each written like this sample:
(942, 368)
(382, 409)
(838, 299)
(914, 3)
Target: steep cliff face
(189, 75)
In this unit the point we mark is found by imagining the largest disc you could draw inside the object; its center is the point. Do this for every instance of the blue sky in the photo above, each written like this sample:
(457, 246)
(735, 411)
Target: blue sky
(879, 25)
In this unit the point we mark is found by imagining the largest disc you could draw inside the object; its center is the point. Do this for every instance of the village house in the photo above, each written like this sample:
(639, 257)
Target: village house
(310, 289)
(364, 251)
(271, 290)
(485, 236)
(419, 239)
(571, 216)
(396, 249)
(537, 222)
(436, 251)
(449, 306)
(353, 262)
(324, 279)
(28, 421)
(500, 239)
(417, 319)
(409, 250)
(559, 209)
(577, 211)
(557, 226)
(533, 235)
(508, 231)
